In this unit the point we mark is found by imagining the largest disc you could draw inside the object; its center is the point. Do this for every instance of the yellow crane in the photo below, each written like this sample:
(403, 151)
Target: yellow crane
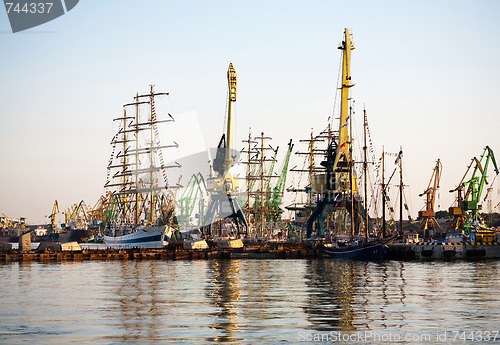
(428, 215)
(96, 213)
(339, 182)
(77, 216)
(222, 186)
(8, 223)
(12, 223)
(52, 216)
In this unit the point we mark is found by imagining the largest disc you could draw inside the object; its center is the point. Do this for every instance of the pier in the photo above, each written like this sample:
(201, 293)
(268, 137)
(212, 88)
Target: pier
(172, 252)
(443, 250)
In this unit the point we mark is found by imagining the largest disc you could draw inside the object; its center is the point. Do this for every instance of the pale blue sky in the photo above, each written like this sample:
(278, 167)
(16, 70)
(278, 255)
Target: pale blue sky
(428, 73)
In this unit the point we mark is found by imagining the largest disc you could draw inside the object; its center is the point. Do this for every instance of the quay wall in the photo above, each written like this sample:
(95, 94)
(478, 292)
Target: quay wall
(442, 250)
(286, 251)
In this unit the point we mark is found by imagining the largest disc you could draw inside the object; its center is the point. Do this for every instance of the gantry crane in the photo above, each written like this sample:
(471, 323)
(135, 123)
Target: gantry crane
(96, 213)
(456, 211)
(223, 187)
(279, 189)
(52, 216)
(76, 216)
(428, 215)
(9, 222)
(195, 187)
(268, 196)
(339, 183)
(467, 213)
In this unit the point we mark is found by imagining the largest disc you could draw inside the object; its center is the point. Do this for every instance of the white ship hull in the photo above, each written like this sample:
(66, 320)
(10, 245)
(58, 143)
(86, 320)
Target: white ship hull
(152, 237)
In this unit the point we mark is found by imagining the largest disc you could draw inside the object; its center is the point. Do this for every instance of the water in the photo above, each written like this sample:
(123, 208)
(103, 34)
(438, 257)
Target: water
(249, 301)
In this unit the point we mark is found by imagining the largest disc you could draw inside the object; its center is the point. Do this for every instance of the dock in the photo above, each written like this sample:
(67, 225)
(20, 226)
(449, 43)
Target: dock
(444, 250)
(172, 252)
(252, 250)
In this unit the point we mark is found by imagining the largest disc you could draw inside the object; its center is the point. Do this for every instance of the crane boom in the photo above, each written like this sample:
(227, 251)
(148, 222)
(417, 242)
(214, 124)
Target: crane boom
(344, 141)
(52, 217)
(231, 80)
(223, 186)
(428, 216)
(433, 186)
(279, 189)
(467, 214)
(488, 153)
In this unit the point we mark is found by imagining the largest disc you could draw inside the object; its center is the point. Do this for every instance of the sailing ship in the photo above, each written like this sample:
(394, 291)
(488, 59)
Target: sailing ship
(140, 208)
(336, 188)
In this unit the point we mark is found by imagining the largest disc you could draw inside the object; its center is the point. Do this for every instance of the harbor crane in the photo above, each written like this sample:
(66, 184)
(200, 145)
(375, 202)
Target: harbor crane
(12, 223)
(336, 188)
(187, 202)
(279, 189)
(467, 213)
(52, 216)
(428, 215)
(77, 216)
(223, 186)
(456, 211)
(267, 188)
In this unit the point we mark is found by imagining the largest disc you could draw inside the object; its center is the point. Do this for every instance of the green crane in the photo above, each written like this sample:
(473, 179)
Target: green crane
(111, 208)
(279, 189)
(268, 195)
(187, 202)
(475, 189)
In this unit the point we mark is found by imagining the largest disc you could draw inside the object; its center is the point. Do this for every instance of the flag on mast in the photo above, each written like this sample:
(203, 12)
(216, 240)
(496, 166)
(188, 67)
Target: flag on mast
(398, 158)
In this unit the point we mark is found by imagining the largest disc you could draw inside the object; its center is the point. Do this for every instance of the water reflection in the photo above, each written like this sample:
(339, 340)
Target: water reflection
(331, 297)
(349, 296)
(223, 290)
(247, 301)
(137, 293)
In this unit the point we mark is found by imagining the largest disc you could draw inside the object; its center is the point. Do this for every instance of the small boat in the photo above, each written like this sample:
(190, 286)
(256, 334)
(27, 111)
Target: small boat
(354, 250)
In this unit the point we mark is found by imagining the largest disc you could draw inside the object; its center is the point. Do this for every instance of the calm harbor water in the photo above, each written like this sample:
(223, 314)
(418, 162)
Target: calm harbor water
(250, 301)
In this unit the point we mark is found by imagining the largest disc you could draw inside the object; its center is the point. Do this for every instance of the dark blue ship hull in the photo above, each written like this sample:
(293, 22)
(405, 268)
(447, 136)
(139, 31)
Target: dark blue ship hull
(365, 251)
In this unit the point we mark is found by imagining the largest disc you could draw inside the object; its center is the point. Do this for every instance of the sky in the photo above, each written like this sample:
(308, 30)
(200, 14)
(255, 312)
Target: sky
(427, 72)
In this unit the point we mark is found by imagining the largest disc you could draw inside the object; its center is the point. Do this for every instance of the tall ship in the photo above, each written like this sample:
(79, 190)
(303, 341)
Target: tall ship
(140, 207)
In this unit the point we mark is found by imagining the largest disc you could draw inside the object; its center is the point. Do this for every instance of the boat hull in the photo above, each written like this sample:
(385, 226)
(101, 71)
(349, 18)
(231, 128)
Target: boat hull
(368, 251)
(153, 237)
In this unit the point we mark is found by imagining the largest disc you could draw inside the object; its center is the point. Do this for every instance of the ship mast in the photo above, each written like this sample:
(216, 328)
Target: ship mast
(137, 195)
(384, 195)
(152, 163)
(125, 161)
(401, 233)
(351, 192)
(152, 148)
(365, 167)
